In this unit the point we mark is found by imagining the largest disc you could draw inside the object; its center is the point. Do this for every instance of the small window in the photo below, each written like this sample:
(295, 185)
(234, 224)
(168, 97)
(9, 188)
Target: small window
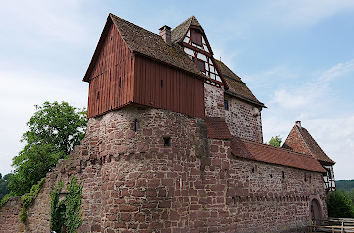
(201, 65)
(167, 141)
(305, 178)
(98, 95)
(196, 37)
(253, 170)
(283, 174)
(120, 82)
(226, 104)
(136, 125)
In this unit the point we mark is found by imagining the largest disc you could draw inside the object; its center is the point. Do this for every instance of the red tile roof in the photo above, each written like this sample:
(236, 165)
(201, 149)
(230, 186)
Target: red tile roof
(300, 140)
(269, 154)
(217, 128)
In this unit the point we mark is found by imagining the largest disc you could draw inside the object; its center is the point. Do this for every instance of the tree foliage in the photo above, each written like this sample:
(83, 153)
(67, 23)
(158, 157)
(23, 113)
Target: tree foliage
(344, 185)
(339, 205)
(4, 180)
(66, 212)
(28, 199)
(275, 141)
(57, 209)
(54, 129)
(73, 206)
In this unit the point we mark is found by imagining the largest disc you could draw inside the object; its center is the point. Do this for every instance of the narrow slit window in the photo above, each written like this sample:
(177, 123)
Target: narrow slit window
(167, 141)
(226, 104)
(120, 82)
(283, 174)
(136, 125)
(98, 95)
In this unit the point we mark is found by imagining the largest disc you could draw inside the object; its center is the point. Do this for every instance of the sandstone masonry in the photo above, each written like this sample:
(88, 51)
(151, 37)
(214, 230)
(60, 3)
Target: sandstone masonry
(132, 182)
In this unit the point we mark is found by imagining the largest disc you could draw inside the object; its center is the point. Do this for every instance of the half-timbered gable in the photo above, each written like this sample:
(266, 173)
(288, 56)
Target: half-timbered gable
(190, 35)
(175, 71)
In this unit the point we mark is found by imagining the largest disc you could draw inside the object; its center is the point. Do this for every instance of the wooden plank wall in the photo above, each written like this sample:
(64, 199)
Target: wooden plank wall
(111, 81)
(161, 86)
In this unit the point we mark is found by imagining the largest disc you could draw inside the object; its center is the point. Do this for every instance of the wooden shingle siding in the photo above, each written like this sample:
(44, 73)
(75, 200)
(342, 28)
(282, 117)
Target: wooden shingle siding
(113, 66)
(118, 75)
(165, 87)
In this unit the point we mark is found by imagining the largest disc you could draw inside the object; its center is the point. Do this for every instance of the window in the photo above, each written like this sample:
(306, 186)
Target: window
(136, 125)
(226, 104)
(167, 141)
(283, 174)
(201, 65)
(196, 37)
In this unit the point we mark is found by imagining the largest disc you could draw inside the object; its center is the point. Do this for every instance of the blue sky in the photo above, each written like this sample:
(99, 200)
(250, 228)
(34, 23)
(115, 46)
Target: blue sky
(296, 56)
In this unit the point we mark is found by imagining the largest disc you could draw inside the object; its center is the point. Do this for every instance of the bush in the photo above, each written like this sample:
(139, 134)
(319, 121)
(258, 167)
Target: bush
(339, 205)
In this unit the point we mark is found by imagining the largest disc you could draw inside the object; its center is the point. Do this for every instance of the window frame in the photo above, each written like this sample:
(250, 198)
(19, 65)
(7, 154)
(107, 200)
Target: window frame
(196, 34)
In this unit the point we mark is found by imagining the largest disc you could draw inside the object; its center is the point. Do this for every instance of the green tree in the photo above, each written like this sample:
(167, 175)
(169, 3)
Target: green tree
(4, 180)
(54, 129)
(275, 141)
(339, 205)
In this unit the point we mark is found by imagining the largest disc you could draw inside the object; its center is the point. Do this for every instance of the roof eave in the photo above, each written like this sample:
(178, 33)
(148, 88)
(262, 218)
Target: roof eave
(104, 33)
(260, 104)
(199, 76)
(320, 171)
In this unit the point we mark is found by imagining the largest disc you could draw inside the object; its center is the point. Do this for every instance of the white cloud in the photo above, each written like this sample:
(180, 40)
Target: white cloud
(304, 12)
(58, 20)
(312, 103)
(337, 71)
(336, 137)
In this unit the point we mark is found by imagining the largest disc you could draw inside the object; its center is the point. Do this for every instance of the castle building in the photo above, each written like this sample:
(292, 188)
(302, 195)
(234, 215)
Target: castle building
(174, 143)
(300, 140)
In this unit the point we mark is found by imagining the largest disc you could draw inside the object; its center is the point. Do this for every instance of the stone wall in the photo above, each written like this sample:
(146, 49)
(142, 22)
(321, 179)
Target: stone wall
(132, 182)
(240, 117)
(214, 101)
(242, 122)
(10, 215)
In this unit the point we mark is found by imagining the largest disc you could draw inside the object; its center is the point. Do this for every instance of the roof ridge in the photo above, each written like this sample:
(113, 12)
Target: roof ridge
(279, 148)
(303, 139)
(185, 21)
(126, 21)
(300, 128)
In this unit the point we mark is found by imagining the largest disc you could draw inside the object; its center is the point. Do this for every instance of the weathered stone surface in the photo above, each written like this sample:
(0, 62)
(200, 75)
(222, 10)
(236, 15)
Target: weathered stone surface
(149, 187)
